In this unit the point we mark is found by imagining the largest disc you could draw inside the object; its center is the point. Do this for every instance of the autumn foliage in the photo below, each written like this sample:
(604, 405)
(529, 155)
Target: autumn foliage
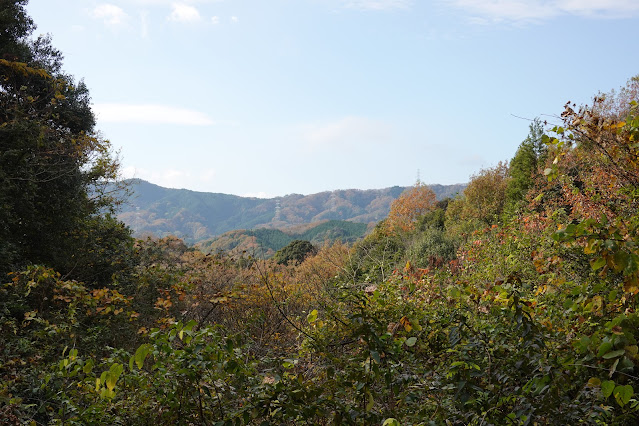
(409, 206)
(460, 311)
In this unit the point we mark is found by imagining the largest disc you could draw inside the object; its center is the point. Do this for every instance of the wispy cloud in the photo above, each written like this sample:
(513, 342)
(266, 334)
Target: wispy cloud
(184, 13)
(110, 14)
(144, 24)
(348, 131)
(487, 11)
(150, 114)
(215, 20)
(602, 8)
(378, 4)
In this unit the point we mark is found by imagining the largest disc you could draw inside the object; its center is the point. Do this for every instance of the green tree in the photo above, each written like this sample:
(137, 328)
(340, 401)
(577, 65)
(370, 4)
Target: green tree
(54, 167)
(15, 25)
(524, 167)
(482, 203)
(296, 251)
(432, 245)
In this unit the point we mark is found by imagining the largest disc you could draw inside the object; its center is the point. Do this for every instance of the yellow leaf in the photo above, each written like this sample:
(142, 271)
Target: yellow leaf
(631, 285)
(594, 382)
(406, 323)
(597, 303)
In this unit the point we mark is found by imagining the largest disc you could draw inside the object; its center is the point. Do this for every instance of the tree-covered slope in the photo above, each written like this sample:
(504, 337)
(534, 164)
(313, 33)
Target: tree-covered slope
(265, 242)
(198, 216)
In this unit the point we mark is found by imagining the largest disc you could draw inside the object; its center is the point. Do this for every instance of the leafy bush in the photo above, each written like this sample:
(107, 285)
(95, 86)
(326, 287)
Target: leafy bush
(295, 251)
(432, 247)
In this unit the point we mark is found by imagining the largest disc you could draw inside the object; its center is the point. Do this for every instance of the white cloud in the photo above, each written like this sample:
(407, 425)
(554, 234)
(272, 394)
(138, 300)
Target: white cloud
(184, 13)
(378, 4)
(486, 11)
(144, 24)
(129, 172)
(150, 114)
(112, 15)
(234, 19)
(348, 131)
(215, 20)
(606, 8)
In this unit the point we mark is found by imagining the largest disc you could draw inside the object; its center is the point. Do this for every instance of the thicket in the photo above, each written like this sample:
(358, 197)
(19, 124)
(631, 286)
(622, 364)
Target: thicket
(512, 304)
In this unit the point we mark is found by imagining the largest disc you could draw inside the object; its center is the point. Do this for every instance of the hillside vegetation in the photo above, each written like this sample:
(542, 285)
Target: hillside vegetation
(198, 216)
(263, 243)
(512, 304)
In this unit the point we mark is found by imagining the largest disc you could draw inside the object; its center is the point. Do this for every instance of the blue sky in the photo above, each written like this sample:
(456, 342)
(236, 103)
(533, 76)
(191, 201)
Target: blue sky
(267, 98)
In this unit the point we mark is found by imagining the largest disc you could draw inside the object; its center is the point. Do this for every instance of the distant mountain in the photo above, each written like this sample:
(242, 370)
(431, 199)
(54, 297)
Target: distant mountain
(198, 216)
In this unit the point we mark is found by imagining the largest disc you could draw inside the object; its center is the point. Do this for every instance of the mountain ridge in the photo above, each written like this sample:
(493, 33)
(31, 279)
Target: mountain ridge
(196, 216)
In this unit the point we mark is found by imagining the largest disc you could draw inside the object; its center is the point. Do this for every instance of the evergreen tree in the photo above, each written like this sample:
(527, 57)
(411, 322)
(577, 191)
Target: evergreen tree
(54, 168)
(296, 251)
(523, 167)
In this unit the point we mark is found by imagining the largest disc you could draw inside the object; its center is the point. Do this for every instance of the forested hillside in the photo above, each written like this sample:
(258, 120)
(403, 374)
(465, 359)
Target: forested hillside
(513, 303)
(198, 216)
(265, 242)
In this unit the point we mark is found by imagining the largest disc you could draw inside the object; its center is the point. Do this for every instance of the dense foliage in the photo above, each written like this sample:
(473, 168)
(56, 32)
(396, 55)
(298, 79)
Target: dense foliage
(53, 165)
(265, 242)
(515, 303)
(296, 251)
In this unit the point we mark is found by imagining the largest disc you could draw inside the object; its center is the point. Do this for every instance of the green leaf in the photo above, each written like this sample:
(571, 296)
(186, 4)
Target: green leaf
(411, 341)
(140, 355)
(113, 375)
(289, 363)
(312, 317)
(621, 259)
(371, 401)
(614, 354)
(571, 229)
(598, 263)
(604, 348)
(187, 328)
(88, 367)
(623, 394)
(391, 422)
(107, 393)
(607, 387)
(111, 380)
